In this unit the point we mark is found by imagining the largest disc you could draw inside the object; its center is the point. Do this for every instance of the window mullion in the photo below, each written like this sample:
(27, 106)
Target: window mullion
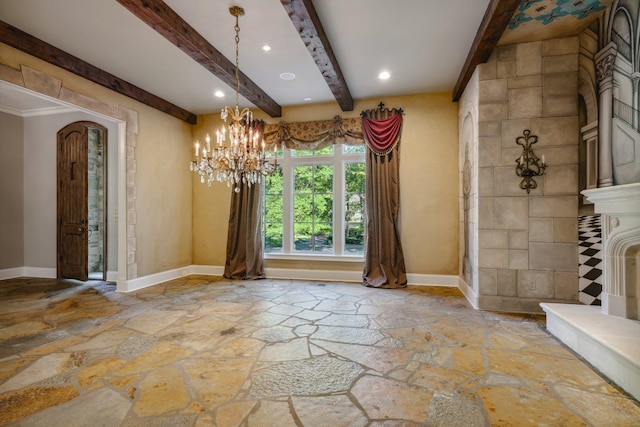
(338, 202)
(287, 195)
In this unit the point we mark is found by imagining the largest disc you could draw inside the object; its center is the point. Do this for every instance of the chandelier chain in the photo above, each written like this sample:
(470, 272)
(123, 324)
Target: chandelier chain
(237, 28)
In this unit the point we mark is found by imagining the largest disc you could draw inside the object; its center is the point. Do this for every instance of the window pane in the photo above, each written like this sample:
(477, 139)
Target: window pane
(272, 225)
(303, 179)
(354, 208)
(273, 237)
(273, 208)
(354, 178)
(326, 151)
(354, 237)
(323, 207)
(302, 236)
(303, 208)
(323, 237)
(323, 178)
(273, 182)
(349, 149)
(313, 208)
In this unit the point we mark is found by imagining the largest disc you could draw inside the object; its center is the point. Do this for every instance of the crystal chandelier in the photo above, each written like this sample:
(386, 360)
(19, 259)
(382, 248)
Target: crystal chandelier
(239, 153)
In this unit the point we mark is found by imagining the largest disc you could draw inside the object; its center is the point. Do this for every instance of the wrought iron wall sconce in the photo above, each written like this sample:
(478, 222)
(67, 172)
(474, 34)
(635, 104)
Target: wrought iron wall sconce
(528, 165)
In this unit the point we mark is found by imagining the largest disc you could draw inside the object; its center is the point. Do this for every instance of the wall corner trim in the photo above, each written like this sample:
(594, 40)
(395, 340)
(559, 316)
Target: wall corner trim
(468, 292)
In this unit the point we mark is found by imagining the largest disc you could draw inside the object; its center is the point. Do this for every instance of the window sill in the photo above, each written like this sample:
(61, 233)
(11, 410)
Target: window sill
(314, 257)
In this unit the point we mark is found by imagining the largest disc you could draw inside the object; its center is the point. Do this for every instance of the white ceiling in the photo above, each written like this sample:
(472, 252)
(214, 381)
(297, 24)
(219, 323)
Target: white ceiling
(422, 43)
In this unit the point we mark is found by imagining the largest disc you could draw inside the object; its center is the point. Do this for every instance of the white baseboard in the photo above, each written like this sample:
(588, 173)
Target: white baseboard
(165, 276)
(214, 270)
(445, 280)
(45, 273)
(281, 273)
(152, 279)
(468, 292)
(11, 273)
(207, 270)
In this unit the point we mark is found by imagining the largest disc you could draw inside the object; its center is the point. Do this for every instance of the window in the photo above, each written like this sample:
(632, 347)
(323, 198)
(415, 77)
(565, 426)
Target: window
(314, 203)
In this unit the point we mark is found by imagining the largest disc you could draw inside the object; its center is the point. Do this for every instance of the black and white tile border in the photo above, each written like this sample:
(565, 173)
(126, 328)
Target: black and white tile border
(590, 259)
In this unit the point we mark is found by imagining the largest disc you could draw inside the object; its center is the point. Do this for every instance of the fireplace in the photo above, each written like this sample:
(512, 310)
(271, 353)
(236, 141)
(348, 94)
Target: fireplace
(620, 209)
(608, 337)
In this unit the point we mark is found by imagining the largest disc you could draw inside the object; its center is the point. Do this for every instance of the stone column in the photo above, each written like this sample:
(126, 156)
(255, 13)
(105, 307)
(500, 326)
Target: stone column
(635, 79)
(604, 61)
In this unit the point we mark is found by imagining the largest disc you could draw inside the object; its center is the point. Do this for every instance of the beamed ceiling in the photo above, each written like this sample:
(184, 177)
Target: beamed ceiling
(174, 54)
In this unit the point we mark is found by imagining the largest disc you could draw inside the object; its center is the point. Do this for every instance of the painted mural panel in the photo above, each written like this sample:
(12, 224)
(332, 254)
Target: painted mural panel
(622, 31)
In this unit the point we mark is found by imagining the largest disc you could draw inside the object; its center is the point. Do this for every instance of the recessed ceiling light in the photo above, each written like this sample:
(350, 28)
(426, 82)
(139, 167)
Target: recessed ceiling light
(384, 75)
(219, 94)
(307, 99)
(287, 76)
(266, 48)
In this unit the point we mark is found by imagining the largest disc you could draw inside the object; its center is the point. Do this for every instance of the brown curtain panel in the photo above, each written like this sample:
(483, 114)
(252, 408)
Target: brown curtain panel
(244, 243)
(384, 260)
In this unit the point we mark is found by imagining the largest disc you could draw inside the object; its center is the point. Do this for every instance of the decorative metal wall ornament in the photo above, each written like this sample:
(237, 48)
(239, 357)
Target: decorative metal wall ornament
(528, 165)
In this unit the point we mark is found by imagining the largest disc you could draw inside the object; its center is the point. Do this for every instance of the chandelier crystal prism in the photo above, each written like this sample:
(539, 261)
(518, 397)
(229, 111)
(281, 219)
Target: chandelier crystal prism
(238, 156)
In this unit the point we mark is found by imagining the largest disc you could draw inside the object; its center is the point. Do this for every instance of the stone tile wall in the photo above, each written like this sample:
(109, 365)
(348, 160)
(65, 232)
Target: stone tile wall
(96, 200)
(528, 243)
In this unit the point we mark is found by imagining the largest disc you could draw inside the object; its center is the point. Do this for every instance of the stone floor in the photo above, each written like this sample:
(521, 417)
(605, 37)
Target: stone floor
(203, 351)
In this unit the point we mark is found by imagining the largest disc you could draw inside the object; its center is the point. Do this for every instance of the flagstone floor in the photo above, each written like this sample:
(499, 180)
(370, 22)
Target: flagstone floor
(204, 351)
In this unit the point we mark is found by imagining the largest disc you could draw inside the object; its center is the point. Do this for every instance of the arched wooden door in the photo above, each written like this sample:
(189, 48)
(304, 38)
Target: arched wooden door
(72, 200)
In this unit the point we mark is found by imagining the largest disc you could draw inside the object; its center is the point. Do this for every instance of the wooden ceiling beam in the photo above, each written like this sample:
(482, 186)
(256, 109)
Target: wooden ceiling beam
(495, 21)
(307, 23)
(25, 42)
(159, 16)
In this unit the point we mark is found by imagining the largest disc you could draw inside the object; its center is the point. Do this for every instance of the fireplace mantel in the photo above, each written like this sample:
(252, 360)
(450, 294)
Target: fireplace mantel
(619, 199)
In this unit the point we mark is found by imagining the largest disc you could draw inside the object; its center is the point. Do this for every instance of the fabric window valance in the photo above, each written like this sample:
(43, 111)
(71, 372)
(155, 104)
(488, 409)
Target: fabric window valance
(382, 136)
(314, 135)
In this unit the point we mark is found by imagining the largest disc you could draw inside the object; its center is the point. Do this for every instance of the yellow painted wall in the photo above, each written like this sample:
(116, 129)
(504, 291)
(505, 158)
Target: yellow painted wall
(163, 198)
(428, 180)
(179, 222)
(210, 206)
